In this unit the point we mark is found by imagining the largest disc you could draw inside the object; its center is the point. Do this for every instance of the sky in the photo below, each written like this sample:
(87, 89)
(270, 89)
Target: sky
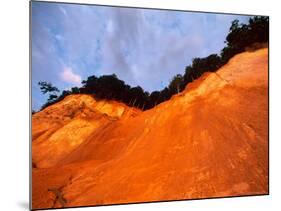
(144, 47)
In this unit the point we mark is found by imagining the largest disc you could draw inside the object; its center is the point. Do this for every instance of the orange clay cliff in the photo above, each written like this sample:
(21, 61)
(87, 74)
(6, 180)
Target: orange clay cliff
(211, 140)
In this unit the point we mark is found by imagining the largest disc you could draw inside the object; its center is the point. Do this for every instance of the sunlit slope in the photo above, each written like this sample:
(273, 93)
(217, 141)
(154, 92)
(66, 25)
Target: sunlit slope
(210, 140)
(61, 128)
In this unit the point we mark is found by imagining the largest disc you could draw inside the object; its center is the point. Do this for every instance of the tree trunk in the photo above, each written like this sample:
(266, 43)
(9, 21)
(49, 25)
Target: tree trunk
(134, 102)
(143, 106)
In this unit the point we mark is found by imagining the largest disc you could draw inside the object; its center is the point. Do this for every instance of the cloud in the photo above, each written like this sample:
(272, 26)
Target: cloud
(68, 76)
(141, 46)
(148, 48)
(63, 11)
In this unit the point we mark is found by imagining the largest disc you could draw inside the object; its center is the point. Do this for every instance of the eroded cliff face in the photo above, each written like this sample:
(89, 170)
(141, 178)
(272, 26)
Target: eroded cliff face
(60, 129)
(211, 140)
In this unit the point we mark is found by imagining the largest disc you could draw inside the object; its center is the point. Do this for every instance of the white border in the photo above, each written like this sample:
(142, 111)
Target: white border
(14, 23)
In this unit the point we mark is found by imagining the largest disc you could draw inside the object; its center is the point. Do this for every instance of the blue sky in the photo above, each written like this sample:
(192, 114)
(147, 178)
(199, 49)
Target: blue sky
(142, 47)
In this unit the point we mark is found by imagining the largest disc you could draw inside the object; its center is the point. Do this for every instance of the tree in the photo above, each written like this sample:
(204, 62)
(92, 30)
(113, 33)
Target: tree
(213, 62)
(47, 87)
(75, 90)
(234, 25)
(259, 28)
(136, 95)
(89, 85)
(239, 38)
(175, 84)
(154, 98)
(165, 94)
(188, 75)
(52, 97)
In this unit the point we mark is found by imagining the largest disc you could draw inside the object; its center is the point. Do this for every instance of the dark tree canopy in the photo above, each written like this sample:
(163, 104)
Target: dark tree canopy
(46, 87)
(175, 84)
(241, 36)
(109, 87)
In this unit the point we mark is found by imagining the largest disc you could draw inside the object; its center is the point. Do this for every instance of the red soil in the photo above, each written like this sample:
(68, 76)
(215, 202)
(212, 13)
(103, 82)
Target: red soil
(211, 140)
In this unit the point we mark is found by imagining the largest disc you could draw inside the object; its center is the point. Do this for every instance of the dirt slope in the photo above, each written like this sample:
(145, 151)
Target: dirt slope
(211, 140)
(61, 128)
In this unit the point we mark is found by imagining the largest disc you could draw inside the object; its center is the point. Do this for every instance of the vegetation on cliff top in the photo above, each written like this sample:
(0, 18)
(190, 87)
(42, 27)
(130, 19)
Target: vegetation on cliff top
(239, 38)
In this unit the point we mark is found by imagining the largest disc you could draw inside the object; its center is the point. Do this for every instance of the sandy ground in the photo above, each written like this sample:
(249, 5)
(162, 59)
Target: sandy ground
(211, 140)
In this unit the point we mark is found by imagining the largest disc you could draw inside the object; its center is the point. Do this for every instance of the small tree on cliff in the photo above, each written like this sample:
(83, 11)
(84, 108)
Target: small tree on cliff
(48, 88)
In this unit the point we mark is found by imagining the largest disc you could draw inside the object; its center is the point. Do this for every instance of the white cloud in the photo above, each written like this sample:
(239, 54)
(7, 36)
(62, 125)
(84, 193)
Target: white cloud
(68, 76)
(110, 26)
(59, 37)
(63, 11)
(142, 47)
